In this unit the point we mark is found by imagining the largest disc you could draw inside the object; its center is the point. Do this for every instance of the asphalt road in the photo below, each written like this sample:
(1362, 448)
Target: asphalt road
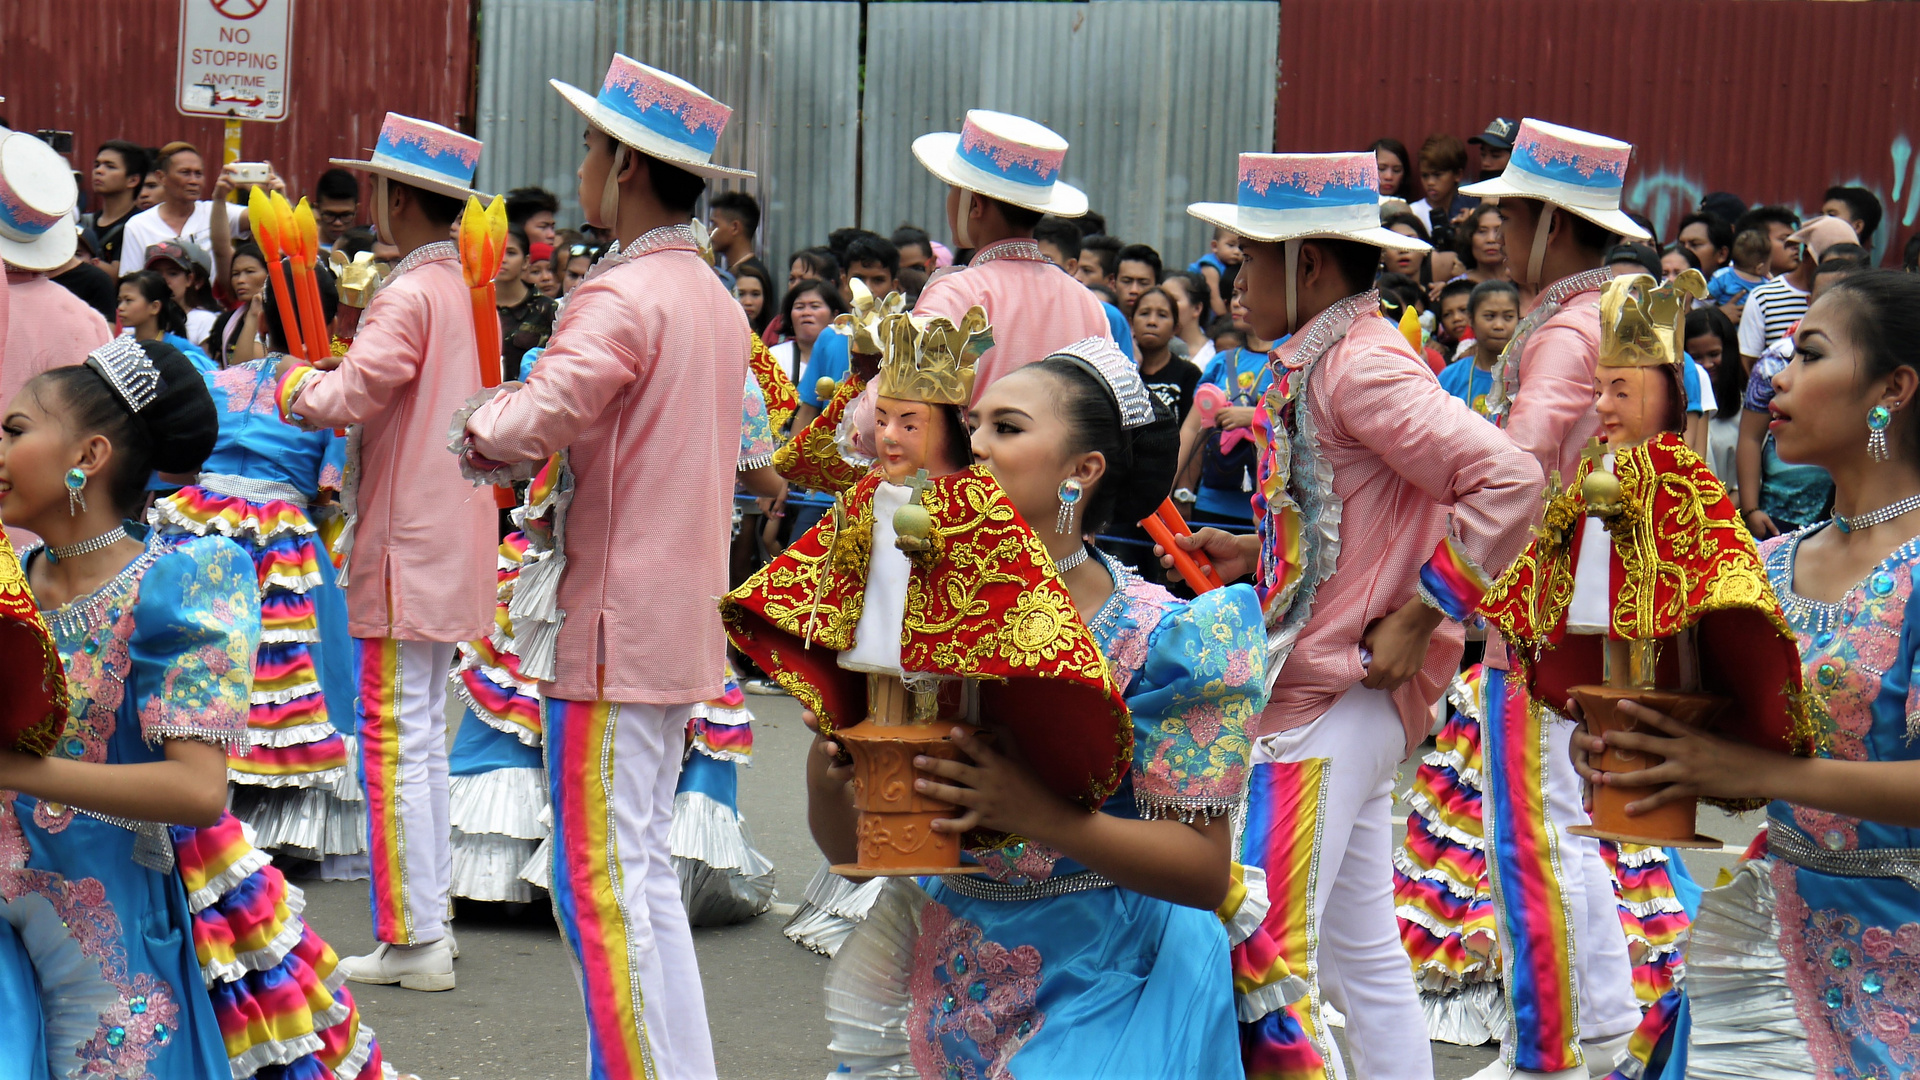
(516, 1014)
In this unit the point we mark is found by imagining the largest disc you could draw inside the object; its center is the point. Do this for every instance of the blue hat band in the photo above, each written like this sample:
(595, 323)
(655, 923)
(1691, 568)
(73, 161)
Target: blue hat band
(1278, 197)
(1019, 173)
(659, 120)
(1600, 183)
(411, 157)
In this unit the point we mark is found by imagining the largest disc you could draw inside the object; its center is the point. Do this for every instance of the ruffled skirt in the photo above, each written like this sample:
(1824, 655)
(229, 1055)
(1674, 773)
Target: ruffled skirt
(1445, 904)
(723, 878)
(282, 1003)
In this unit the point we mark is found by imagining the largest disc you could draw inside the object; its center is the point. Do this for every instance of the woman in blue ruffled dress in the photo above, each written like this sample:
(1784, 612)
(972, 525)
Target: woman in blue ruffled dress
(1808, 962)
(129, 948)
(271, 486)
(1090, 947)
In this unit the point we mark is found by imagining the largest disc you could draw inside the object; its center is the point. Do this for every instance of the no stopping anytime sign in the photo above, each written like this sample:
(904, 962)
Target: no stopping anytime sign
(233, 58)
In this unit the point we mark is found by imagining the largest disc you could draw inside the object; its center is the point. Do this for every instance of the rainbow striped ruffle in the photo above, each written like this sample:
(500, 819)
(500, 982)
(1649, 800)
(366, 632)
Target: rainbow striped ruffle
(722, 727)
(293, 743)
(1650, 913)
(280, 1000)
(1441, 895)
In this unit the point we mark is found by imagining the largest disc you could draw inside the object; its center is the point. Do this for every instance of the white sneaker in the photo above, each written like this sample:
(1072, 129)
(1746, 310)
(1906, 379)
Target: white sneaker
(414, 967)
(1604, 1055)
(452, 943)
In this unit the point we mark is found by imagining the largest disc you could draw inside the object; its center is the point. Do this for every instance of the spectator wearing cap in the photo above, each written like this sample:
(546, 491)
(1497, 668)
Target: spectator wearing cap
(188, 270)
(540, 269)
(1496, 146)
(50, 327)
(181, 212)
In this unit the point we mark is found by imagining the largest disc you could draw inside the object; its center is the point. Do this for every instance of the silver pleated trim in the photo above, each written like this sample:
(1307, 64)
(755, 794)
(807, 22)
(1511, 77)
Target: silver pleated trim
(286, 694)
(284, 637)
(832, 907)
(306, 822)
(1253, 908)
(538, 871)
(356, 1060)
(243, 868)
(867, 985)
(1470, 1016)
(502, 802)
(298, 735)
(1744, 1025)
(486, 866)
(1418, 802)
(723, 879)
(261, 1055)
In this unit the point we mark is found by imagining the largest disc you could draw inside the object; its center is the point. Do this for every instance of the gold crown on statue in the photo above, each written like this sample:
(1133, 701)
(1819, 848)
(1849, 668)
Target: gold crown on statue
(1644, 323)
(862, 324)
(931, 359)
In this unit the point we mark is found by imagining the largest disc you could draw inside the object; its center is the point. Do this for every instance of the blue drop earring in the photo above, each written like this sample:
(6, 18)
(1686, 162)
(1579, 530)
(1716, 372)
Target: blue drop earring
(1878, 419)
(1070, 490)
(76, 491)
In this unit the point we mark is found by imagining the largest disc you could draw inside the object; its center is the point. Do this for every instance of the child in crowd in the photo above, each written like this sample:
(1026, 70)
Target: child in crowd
(1730, 284)
(1493, 310)
(1456, 325)
(1222, 253)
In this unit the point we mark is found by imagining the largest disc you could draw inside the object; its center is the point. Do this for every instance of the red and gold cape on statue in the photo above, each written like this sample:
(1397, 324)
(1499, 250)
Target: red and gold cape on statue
(984, 603)
(782, 399)
(1681, 559)
(812, 458)
(33, 706)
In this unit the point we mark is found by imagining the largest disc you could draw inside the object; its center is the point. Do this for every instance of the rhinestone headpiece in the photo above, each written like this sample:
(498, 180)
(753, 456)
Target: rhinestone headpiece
(931, 359)
(1643, 323)
(1120, 374)
(129, 370)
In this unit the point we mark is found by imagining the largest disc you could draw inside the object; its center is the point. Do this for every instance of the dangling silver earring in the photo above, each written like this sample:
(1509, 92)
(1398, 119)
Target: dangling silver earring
(1878, 419)
(1069, 505)
(76, 492)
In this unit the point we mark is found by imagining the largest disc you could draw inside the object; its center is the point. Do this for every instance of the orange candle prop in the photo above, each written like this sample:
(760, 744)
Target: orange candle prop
(1195, 568)
(304, 234)
(483, 243)
(261, 215)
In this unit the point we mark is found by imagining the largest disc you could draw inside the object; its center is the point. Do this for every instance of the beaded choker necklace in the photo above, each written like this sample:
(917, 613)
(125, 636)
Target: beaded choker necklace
(87, 547)
(1876, 517)
(1071, 561)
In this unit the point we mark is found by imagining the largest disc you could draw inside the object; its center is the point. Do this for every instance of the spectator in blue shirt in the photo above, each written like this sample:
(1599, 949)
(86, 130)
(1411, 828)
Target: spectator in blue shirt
(1493, 310)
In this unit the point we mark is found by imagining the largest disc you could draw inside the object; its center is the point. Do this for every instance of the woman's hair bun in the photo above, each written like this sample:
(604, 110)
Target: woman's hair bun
(182, 421)
(1155, 458)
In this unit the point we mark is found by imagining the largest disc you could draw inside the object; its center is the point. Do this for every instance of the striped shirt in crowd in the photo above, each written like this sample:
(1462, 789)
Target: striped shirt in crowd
(1772, 309)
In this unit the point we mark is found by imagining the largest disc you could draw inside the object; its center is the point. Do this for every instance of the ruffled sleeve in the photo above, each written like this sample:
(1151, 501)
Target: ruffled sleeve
(1197, 690)
(756, 433)
(195, 629)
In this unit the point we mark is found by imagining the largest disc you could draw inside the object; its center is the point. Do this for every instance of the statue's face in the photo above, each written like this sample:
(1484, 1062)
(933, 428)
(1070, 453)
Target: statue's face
(1634, 403)
(909, 433)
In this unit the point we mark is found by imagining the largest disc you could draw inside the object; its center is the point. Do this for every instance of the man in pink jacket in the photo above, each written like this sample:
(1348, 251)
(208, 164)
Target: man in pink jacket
(421, 543)
(37, 196)
(1560, 210)
(1400, 493)
(640, 385)
(1003, 174)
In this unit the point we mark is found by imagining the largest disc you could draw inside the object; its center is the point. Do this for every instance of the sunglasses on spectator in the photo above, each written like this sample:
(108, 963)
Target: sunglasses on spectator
(336, 215)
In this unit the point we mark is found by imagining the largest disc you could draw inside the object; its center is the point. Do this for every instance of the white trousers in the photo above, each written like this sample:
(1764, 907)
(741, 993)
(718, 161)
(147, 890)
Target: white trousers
(611, 771)
(1602, 970)
(1363, 971)
(403, 745)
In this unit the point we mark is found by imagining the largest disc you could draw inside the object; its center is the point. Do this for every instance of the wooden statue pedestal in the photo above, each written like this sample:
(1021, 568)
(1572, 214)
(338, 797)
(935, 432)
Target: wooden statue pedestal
(1671, 825)
(895, 834)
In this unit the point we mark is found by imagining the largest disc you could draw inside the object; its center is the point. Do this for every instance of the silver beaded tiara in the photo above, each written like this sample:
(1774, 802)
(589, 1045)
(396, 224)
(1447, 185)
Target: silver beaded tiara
(1122, 377)
(129, 370)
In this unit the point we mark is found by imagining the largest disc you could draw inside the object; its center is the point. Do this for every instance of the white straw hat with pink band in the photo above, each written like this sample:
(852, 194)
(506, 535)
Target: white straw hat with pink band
(1004, 157)
(37, 197)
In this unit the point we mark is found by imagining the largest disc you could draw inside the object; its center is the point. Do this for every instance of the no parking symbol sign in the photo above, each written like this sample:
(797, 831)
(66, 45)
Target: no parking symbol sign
(233, 58)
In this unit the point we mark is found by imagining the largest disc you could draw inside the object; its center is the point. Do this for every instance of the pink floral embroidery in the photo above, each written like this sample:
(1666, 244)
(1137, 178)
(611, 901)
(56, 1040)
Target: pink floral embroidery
(432, 139)
(1022, 862)
(331, 478)
(241, 386)
(1851, 983)
(966, 989)
(646, 90)
(134, 1031)
(1008, 154)
(1127, 652)
(26, 216)
(1835, 832)
(1586, 160)
(1311, 174)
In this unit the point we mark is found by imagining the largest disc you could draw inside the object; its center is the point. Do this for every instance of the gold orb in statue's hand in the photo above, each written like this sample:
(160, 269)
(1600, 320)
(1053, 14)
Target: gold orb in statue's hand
(913, 521)
(1601, 491)
(825, 388)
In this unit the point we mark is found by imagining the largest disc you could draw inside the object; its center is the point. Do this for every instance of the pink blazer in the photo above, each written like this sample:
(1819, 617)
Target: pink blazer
(1033, 306)
(640, 384)
(422, 567)
(53, 328)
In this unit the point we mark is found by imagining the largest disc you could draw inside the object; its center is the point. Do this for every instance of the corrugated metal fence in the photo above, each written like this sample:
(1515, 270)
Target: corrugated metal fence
(1773, 101)
(1156, 100)
(790, 71)
(1156, 97)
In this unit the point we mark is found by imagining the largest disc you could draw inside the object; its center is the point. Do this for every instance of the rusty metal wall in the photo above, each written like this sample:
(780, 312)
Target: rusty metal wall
(105, 69)
(1155, 97)
(1774, 101)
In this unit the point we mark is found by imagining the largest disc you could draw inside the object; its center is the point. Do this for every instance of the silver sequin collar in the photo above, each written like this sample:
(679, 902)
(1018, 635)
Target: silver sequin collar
(664, 238)
(425, 253)
(1320, 333)
(1008, 249)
